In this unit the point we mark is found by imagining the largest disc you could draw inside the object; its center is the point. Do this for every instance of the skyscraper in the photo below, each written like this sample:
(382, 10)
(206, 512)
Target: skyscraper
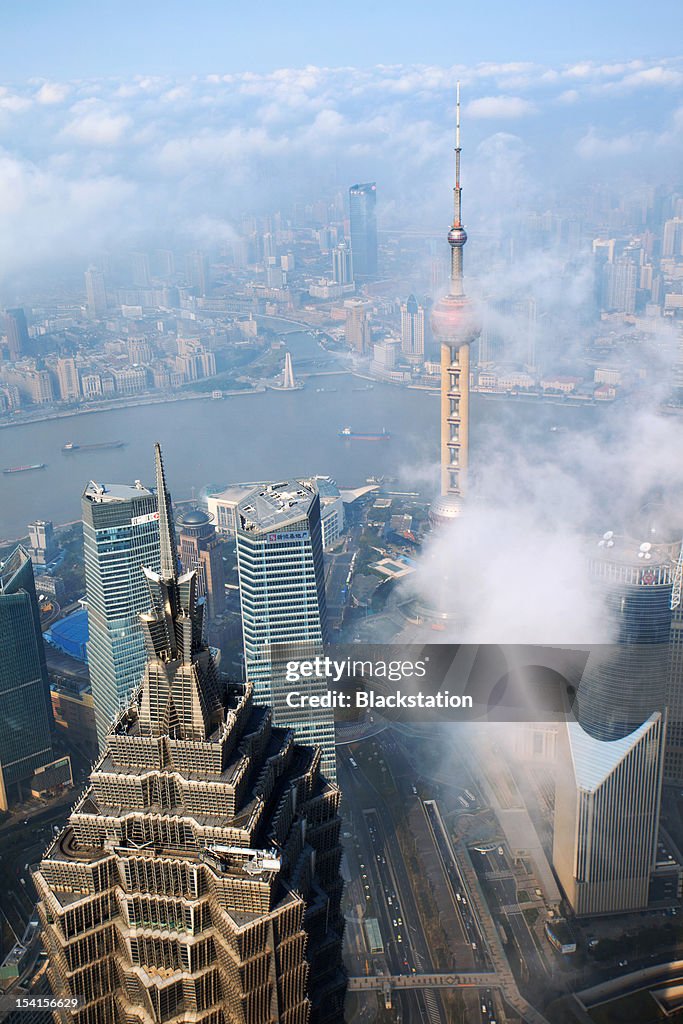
(25, 708)
(17, 333)
(456, 326)
(120, 535)
(284, 612)
(619, 282)
(413, 330)
(342, 264)
(357, 331)
(96, 292)
(609, 780)
(197, 878)
(200, 550)
(362, 203)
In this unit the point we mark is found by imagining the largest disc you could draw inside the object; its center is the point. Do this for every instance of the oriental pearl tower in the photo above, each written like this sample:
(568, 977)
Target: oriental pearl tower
(456, 327)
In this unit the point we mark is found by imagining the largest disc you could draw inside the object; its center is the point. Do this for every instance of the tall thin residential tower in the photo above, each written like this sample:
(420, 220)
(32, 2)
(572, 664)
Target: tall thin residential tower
(456, 327)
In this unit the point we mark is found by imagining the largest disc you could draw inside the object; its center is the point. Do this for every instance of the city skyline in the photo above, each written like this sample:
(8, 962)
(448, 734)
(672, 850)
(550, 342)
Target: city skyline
(150, 140)
(255, 259)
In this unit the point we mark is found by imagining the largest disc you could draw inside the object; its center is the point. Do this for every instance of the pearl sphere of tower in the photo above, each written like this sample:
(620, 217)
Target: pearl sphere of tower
(456, 326)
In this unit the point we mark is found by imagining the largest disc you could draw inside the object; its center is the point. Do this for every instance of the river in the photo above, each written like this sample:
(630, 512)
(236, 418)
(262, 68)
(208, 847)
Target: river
(254, 436)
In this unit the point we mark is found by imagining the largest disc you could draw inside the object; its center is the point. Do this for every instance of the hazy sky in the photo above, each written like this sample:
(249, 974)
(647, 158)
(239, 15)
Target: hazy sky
(113, 37)
(122, 122)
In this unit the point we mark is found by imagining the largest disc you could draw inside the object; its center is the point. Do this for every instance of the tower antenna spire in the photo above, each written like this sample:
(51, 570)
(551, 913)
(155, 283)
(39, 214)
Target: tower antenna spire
(166, 529)
(457, 219)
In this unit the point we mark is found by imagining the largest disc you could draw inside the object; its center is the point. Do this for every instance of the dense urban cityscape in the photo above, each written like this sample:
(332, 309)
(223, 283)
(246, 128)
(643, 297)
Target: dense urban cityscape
(341, 619)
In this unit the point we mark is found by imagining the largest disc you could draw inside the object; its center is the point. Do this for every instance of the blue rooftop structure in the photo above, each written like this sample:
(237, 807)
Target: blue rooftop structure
(70, 634)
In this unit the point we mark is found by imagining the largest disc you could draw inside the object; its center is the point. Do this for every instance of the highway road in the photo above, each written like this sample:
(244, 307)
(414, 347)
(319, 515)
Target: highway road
(387, 889)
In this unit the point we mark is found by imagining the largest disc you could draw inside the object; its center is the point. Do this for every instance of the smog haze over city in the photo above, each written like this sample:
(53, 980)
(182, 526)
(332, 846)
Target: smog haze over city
(343, 337)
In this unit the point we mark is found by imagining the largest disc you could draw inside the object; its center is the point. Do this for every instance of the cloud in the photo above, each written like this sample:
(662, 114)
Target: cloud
(94, 124)
(593, 146)
(52, 92)
(12, 102)
(212, 146)
(502, 107)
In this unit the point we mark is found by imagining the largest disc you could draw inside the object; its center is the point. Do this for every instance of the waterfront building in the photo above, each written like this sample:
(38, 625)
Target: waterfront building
(120, 535)
(198, 875)
(201, 551)
(609, 778)
(413, 330)
(456, 326)
(67, 378)
(96, 292)
(92, 385)
(363, 219)
(131, 380)
(17, 333)
(25, 708)
(284, 611)
(357, 331)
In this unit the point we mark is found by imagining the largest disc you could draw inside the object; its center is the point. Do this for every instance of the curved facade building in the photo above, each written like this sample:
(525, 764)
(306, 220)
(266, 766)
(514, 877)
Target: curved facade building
(609, 780)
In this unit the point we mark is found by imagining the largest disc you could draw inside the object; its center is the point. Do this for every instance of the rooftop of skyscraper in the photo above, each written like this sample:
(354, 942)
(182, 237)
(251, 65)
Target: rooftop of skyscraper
(628, 550)
(114, 492)
(277, 505)
(11, 566)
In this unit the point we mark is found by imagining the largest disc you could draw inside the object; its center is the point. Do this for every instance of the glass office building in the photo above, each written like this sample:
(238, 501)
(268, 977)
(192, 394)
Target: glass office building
(284, 612)
(120, 535)
(25, 709)
(609, 782)
(363, 215)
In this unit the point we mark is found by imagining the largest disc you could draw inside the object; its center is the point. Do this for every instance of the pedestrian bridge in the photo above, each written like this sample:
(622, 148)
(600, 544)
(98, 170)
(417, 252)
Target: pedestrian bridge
(483, 979)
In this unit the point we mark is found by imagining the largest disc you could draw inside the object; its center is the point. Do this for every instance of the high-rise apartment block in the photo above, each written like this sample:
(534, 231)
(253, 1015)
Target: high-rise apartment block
(17, 333)
(363, 215)
(197, 878)
(284, 611)
(672, 238)
(413, 330)
(120, 534)
(25, 708)
(96, 292)
(609, 780)
(619, 283)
